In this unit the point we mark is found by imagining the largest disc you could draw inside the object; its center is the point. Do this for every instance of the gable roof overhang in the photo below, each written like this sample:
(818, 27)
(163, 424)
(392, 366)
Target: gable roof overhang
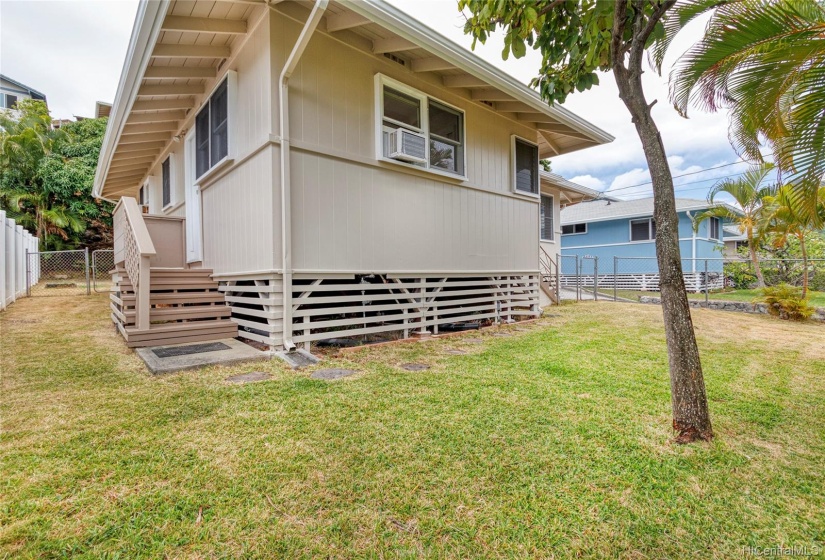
(572, 192)
(177, 47)
(24, 89)
(682, 205)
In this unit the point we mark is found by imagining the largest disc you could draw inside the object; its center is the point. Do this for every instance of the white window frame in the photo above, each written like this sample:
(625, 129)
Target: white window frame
(650, 235)
(552, 198)
(513, 189)
(143, 197)
(382, 80)
(231, 78)
(718, 223)
(574, 233)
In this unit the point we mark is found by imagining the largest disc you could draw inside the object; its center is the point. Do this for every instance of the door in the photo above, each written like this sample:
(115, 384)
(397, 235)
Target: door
(194, 234)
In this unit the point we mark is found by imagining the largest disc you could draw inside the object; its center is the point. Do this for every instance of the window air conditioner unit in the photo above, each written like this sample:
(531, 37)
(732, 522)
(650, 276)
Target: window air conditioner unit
(406, 145)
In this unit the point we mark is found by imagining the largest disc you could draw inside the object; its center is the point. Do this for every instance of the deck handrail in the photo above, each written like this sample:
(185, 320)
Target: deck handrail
(134, 248)
(549, 273)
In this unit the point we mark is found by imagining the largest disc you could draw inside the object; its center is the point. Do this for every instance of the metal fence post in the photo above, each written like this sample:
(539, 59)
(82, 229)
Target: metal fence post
(596, 279)
(706, 281)
(615, 278)
(578, 276)
(86, 262)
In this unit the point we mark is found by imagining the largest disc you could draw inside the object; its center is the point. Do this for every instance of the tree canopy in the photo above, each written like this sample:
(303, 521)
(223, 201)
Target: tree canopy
(46, 177)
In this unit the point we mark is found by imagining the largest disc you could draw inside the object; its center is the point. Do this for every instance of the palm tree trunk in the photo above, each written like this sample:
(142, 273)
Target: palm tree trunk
(804, 265)
(757, 268)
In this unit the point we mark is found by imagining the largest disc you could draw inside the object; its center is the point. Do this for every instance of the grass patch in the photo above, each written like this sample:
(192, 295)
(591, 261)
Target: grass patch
(553, 442)
(816, 299)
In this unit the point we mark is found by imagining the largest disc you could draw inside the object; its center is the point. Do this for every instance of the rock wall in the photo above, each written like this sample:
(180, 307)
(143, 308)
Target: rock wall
(740, 306)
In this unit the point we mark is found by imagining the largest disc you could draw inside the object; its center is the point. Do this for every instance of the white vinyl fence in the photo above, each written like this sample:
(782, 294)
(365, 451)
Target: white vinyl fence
(14, 243)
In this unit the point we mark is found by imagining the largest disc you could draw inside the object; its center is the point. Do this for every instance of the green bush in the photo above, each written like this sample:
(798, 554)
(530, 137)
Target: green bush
(786, 302)
(739, 275)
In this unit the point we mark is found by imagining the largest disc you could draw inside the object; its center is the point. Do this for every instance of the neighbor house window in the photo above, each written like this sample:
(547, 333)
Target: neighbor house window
(437, 130)
(166, 181)
(642, 230)
(572, 229)
(8, 101)
(714, 227)
(525, 166)
(546, 217)
(212, 130)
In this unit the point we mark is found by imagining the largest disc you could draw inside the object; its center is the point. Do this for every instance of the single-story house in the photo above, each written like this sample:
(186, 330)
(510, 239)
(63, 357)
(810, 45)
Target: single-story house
(622, 234)
(295, 171)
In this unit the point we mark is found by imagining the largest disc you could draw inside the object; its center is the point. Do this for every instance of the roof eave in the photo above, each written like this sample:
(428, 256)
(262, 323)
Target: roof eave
(147, 28)
(409, 28)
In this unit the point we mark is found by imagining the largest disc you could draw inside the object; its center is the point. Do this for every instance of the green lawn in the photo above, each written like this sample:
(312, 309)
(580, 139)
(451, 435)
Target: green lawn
(817, 299)
(552, 442)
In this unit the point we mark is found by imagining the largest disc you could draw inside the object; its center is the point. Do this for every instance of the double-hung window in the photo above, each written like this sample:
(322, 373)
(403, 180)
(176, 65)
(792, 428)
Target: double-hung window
(525, 166)
(643, 230)
(714, 228)
(166, 181)
(546, 217)
(212, 130)
(419, 130)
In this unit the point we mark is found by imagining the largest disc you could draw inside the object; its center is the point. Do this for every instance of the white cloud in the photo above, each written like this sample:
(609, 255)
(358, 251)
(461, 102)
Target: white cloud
(589, 181)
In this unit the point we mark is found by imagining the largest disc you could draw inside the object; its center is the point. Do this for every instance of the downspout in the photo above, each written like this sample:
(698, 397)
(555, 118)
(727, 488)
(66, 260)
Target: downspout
(693, 248)
(283, 118)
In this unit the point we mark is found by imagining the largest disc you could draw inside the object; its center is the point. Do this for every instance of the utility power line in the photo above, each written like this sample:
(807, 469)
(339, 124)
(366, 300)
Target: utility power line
(682, 175)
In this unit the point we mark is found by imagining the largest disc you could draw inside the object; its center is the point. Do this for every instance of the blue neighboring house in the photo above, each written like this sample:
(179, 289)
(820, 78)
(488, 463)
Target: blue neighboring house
(606, 228)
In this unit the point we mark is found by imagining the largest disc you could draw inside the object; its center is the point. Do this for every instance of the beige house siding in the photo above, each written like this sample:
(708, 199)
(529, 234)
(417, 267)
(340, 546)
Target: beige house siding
(239, 218)
(354, 213)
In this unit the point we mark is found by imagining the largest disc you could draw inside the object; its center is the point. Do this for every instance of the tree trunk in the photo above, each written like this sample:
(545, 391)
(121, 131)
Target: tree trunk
(804, 265)
(757, 268)
(691, 418)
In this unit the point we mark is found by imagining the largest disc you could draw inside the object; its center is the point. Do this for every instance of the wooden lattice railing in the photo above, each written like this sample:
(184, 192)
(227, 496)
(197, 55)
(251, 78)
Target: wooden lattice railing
(133, 250)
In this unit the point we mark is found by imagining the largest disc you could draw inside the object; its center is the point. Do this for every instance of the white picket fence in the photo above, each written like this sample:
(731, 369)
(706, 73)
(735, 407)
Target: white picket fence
(14, 243)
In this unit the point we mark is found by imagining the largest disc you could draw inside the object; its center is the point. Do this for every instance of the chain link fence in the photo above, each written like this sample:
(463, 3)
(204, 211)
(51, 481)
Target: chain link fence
(58, 273)
(103, 261)
(629, 278)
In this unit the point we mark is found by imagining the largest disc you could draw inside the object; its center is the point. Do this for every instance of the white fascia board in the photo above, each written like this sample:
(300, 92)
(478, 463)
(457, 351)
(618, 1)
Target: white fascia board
(145, 32)
(630, 216)
(411, 29)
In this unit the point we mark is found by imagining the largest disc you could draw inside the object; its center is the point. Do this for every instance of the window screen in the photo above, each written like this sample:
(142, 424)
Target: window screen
(527, 167)
(402, 108)
(212, 131)
(446, 142)
(546, 217)
(642, 230)
(714, 228)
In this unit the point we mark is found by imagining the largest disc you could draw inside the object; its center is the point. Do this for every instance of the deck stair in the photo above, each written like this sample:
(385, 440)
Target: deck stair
(185, 306)
(548, 276)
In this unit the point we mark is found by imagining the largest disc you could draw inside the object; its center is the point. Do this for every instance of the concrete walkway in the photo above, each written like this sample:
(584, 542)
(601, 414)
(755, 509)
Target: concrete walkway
(179, 357)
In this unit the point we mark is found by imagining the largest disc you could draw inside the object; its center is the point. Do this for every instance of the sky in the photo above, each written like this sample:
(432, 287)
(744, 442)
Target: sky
(73, 52)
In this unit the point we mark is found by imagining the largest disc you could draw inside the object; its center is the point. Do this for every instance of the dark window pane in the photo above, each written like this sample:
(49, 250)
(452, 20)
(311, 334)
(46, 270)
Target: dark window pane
(653, 229)
(640, 230)
(547, 217)
(568, 229)
(11, 101)
(527, 167)
(219, 138)
(402, 107)
(167, 183)
(580, 228)
(445, 122)
(202, 164)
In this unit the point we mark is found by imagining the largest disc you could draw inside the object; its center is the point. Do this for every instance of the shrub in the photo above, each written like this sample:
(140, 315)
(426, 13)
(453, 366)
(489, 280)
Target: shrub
(739, 275)
(786, 302)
